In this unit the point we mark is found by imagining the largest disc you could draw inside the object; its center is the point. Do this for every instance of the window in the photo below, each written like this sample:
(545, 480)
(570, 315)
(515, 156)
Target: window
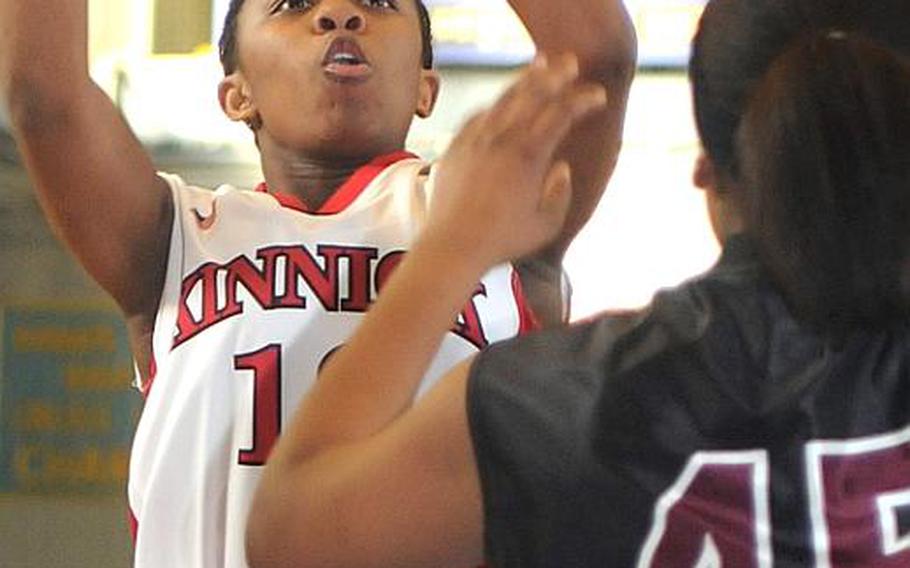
(181, 26)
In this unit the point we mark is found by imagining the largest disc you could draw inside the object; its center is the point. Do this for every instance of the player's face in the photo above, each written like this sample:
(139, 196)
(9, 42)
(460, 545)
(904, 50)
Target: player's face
(334, 78)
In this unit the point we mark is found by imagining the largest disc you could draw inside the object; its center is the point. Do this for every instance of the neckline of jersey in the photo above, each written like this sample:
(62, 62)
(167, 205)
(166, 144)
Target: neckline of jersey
(347, 192)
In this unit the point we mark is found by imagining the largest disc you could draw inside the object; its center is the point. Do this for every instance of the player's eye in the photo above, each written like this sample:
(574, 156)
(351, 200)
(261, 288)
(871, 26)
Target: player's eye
(285, 5)
(385, 4)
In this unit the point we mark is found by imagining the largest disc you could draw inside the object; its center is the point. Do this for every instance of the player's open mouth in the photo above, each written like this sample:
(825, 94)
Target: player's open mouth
(345, 61)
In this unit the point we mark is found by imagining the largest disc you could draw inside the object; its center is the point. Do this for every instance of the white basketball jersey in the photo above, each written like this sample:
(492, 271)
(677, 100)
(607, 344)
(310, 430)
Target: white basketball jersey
(258, 294)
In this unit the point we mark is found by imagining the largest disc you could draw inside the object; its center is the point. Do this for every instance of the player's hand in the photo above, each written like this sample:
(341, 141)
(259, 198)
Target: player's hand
(499, 193)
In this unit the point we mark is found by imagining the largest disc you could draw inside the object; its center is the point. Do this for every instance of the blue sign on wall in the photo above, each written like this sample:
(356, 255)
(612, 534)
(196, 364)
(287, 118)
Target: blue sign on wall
(67, 410)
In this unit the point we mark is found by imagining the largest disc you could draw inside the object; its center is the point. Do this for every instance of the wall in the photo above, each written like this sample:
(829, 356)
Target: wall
(46, 530)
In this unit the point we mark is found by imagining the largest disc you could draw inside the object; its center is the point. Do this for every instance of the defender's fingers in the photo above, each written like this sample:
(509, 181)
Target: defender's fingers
(476, 122)
(543, 80)
(544, 76)
(539, 122)
(549, 78)
(541, 135)
(553, 122)
(556, 195)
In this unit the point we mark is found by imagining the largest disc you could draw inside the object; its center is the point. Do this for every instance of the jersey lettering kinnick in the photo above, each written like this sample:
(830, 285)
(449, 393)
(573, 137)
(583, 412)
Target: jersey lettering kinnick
(291, 277)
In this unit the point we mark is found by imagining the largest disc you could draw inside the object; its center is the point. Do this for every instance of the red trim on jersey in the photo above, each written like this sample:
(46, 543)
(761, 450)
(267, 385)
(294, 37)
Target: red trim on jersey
(134, 524)
(347, 193)
(527, 319)
(147, 385)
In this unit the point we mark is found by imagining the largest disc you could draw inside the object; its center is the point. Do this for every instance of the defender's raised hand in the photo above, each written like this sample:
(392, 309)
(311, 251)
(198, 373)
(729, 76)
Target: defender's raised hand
(499, 193)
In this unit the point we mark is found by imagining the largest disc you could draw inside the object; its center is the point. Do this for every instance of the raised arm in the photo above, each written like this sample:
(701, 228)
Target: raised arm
(359, 478)
(600, 34)
(95, 182)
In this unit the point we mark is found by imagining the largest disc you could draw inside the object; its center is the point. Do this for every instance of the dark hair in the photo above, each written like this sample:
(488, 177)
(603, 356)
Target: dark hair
(823, 153)
(737, 40)
(819, 174)
(227, 45)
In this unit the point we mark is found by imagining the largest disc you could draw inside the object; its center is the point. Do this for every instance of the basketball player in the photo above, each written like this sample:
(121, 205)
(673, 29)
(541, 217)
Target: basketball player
(234, 299)
(757, 415)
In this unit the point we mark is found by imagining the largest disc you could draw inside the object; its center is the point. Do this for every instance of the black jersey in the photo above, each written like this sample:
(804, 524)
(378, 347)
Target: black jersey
(711, 429)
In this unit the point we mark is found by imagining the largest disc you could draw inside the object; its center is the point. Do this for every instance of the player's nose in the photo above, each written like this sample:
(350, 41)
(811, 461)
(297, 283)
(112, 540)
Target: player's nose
(334, 15)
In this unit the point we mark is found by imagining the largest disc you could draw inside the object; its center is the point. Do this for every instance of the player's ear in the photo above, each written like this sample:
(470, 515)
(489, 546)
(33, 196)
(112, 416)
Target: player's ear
(723, 211)
(704, 176)
(237, 101)
(428, 93)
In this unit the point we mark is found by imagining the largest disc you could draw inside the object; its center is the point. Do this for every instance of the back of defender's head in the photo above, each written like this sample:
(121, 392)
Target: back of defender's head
(738, 39)
(823, 155)
(227, 44)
